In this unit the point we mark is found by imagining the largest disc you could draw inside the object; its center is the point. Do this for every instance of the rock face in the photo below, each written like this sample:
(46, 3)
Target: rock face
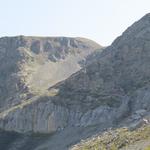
(112, 87)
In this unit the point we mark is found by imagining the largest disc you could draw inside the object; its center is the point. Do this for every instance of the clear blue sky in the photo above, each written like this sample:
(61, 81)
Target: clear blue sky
(100, 20)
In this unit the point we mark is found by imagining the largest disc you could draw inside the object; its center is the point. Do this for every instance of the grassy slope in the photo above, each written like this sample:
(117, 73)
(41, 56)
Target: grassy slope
(116, 139)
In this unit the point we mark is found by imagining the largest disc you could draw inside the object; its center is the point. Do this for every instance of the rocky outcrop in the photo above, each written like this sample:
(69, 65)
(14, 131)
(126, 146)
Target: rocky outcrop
(43, 116)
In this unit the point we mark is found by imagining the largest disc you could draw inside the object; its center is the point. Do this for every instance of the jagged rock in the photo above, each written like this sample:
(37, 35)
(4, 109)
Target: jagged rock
(141, 112)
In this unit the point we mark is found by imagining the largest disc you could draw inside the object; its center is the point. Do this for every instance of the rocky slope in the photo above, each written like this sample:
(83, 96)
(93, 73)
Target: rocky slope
(112, 91)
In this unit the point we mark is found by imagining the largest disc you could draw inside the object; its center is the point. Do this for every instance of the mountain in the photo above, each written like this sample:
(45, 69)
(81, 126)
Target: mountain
(30, 65)
(124, 70)
(109, 90)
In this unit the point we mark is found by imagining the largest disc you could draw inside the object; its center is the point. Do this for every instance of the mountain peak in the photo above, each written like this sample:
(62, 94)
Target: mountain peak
(135, 34)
